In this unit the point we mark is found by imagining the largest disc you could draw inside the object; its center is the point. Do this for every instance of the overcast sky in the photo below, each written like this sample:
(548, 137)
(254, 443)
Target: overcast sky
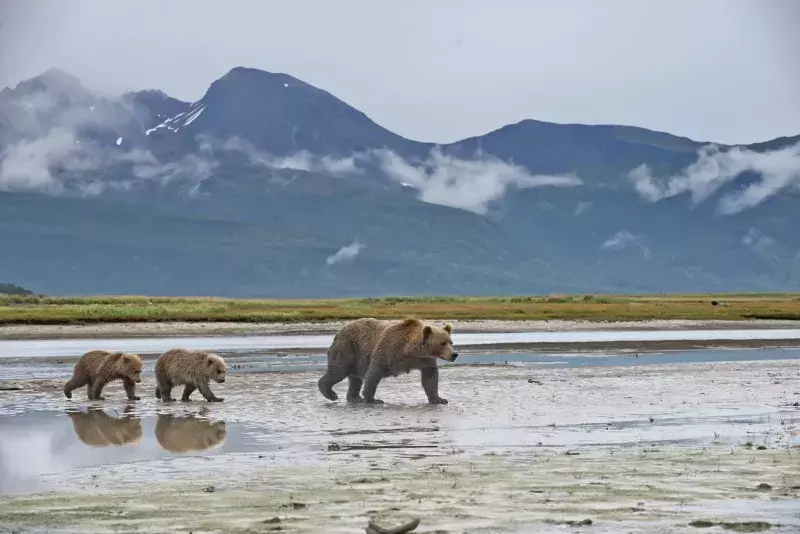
(713, 70)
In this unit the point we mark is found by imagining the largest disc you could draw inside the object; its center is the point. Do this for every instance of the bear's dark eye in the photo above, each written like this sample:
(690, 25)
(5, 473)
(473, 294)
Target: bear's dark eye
(444, 343)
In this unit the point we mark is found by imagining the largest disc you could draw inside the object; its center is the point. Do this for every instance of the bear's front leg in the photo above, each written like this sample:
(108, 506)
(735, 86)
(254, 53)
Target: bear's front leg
(373, 376)
(206, 392)
(130, 389)
(430, 383)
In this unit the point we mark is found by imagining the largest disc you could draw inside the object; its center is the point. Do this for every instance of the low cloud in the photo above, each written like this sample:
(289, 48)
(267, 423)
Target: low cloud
(300, 161)
(624, 240)
(28, 165)
(757, 240)
(583, 207)
(779, 170)
(345, 254)
(471, 185)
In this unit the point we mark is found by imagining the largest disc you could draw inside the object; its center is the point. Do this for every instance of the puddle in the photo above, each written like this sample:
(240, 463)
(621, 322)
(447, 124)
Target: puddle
(39, 445)
(76, 347)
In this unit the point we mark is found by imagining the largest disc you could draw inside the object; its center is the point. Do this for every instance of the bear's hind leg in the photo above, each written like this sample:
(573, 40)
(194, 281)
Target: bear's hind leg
(74, 383)
(332, 376)
(354, 389)
(164, 390)
(97, 389)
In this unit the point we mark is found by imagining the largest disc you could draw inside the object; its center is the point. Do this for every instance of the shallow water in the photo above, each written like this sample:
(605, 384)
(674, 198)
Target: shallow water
(256, 361)
(520, 448)
(76, 347)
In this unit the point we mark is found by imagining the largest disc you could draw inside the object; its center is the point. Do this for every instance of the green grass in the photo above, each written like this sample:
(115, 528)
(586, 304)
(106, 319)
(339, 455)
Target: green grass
(36, 309)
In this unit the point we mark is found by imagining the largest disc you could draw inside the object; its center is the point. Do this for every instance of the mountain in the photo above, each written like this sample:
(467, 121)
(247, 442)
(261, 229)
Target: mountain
(268, 186)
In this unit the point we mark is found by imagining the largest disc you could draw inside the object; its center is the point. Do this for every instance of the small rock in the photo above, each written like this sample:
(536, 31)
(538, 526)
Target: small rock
(210, 489)
(272, 520)
(763, 487)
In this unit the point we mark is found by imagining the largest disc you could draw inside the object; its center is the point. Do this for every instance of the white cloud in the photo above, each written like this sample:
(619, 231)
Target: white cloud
(623, 240)
(299, 161)
(779, 170)
(28, 164)
(51, 145)
(757, 240)
(470, 185)
(583, 207)
(346, 253)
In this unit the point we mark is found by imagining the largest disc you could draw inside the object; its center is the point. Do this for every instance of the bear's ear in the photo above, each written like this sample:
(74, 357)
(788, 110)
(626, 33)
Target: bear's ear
(448, 328)
(426, 331)
(209, 361)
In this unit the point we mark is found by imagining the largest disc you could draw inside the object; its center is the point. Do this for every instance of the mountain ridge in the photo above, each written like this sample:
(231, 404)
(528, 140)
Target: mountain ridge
(255, 189)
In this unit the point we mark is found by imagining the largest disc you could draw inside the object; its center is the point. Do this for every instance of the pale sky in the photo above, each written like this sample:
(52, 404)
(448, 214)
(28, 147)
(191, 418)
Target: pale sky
(442, 70)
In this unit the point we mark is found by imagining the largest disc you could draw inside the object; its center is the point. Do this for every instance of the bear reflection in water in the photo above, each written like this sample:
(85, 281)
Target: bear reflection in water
(98, 429)
(189, 433)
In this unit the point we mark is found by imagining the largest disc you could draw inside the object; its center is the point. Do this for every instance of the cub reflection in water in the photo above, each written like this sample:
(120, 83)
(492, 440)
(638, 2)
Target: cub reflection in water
(98, 429)
(188, 433)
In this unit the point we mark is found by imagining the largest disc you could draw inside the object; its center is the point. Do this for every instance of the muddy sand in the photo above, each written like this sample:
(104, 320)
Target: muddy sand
(656, 448)
(169, 329)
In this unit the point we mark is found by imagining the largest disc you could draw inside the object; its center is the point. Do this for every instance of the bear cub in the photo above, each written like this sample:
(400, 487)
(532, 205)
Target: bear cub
(97, 368)
(367, 350)
(191, 369)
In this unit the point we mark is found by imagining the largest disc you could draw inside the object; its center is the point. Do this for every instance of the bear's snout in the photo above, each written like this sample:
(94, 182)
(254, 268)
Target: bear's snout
(454, 356)
(221, 380)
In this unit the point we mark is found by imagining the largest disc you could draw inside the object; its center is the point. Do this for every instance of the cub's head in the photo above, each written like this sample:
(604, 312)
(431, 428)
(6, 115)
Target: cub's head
(215, 368)
(438, 343)
(130, 366)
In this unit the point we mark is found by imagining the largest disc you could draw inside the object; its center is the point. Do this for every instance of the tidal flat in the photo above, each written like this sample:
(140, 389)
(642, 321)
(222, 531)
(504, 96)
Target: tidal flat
(666, 445)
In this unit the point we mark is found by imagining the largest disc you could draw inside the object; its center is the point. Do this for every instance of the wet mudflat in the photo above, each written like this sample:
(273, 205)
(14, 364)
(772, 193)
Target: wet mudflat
(671, 446)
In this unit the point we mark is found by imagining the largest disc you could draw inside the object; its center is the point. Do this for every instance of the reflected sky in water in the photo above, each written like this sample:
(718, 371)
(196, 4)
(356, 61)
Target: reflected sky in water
(238, 362)
(76, 347)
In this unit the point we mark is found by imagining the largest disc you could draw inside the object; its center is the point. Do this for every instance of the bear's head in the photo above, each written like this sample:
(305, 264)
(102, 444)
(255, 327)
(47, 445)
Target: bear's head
(215, 368)
(438, 343)
(130, 366)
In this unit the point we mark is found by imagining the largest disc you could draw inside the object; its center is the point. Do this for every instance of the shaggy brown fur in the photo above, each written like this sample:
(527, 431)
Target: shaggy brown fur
(192, 369)
(186, 434)
(97, 368)
(368, 350)
(98, 429)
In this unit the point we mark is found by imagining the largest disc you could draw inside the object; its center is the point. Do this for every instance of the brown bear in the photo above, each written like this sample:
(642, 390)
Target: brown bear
(193, 369)
(98, 429)
(97, 368)
(189, 433)
(368, 350)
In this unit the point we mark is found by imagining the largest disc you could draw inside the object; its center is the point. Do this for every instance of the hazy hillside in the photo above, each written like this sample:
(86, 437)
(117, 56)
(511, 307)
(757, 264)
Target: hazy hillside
(268, 186)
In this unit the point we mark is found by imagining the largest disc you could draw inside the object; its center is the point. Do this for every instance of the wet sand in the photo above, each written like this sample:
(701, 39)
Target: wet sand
(642, 448)
(170, 329)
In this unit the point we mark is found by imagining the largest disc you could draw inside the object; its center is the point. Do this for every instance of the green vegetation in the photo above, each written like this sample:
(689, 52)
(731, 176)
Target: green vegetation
(36, 309)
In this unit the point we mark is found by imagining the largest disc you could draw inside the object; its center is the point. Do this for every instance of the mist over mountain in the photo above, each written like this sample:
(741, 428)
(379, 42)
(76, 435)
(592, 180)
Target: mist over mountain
(268, 186)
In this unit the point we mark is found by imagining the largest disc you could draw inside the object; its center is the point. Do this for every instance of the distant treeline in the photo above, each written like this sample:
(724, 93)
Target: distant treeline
(13, 289)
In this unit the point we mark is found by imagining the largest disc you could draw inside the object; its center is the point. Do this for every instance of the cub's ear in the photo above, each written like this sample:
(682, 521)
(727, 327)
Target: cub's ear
(426, 331)
(448, 328)
(209, 361)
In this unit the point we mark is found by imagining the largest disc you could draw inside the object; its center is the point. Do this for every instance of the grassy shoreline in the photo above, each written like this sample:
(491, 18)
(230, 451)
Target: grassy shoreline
(41, 310)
